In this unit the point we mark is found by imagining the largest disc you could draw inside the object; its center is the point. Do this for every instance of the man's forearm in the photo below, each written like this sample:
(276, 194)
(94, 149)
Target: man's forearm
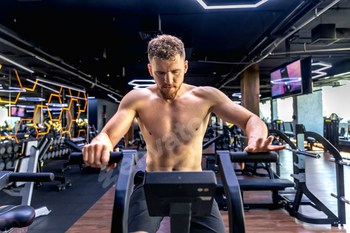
(255, 129)
(103, 137)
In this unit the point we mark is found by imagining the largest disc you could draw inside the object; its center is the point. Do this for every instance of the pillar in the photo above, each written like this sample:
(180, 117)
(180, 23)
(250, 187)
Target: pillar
(250, 89)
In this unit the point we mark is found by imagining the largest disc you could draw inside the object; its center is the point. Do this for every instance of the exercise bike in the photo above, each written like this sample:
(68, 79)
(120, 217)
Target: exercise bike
(186, 193)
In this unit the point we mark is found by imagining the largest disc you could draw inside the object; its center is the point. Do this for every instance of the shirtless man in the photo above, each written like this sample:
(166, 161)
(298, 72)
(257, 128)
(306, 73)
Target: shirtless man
(173, 117)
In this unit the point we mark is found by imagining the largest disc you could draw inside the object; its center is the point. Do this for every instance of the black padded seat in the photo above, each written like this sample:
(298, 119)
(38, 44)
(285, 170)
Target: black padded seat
(261, 184)
(265, 184)
(16, 216)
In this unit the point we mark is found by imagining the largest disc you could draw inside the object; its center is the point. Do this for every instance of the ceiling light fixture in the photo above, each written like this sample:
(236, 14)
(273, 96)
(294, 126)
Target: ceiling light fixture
(20, 106)
(57, 105)
(52, 109)
(60, 85)
(113, 98)
(76, 97)
(319, 71)
(15, 63)
(12, 90)
(238, 6)
(238, 95)
(34, 99)
(39, 84)
(141, 83)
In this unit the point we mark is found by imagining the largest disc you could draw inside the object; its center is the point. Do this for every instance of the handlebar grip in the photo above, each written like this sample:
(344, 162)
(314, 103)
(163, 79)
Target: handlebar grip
(254, 157)
(77, 157)
(31, 177)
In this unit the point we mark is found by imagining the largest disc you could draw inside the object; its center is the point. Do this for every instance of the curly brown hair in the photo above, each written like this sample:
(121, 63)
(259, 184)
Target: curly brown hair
(165, 47)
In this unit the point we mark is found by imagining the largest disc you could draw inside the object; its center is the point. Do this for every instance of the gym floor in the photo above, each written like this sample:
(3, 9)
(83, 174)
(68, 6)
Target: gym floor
(66, 206)
(87, 205)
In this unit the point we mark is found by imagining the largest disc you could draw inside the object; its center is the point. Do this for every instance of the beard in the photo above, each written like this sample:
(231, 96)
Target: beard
(169, 95)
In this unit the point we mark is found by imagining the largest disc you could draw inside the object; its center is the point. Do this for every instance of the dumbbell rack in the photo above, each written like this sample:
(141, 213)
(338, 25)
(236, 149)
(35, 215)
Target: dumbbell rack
(9, 153)
(57, 150)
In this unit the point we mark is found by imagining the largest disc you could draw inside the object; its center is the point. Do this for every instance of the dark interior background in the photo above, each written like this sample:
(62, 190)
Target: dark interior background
(100, 45)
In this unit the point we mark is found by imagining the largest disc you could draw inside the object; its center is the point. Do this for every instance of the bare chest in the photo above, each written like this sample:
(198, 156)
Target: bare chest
(185, 119)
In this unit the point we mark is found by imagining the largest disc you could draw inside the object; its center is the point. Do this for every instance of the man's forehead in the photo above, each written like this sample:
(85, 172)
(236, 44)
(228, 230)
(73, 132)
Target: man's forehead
(172, 58)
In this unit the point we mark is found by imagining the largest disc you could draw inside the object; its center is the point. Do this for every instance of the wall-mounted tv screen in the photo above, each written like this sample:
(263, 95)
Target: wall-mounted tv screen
(20, 112)
(13, 111)
(292, 78)
(286, 80)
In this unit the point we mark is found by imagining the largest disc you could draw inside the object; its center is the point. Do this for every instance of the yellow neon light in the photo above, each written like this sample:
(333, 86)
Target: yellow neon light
(20, 122)
(82, 130)
(36, 129)
(20, 84)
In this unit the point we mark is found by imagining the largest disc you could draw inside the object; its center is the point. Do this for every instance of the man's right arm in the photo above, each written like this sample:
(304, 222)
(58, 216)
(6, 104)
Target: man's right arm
(96, 154)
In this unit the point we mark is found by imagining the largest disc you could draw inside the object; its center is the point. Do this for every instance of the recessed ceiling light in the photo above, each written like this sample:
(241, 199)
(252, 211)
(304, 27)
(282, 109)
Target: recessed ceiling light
(233, 6)
(320, 71)
(141, 83)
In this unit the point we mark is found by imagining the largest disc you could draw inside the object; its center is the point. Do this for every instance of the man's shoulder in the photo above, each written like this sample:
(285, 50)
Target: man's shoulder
(140, 93)
(203, 91)
(135, 97)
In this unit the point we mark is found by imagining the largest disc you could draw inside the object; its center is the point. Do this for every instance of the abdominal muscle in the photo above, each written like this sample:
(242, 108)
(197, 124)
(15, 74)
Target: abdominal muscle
(184, 157)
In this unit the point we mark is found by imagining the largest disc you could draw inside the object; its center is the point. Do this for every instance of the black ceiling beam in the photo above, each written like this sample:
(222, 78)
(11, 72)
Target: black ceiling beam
(300, 13)
(13, 40)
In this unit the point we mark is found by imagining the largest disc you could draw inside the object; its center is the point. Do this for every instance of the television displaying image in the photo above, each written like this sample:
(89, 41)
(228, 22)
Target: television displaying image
(286, 80)
(13, 111)
(20, 112)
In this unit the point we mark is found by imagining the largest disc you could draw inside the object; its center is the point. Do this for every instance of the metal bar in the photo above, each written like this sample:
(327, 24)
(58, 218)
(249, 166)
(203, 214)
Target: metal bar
(122, 193)
(339, 172)
(311, 51)
(340, 198)
(232, 192)
(341, 162)
(283, 136)
(317, 156)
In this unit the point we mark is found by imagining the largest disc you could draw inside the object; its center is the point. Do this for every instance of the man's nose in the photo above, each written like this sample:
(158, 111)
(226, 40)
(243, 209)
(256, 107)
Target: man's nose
(168, 78)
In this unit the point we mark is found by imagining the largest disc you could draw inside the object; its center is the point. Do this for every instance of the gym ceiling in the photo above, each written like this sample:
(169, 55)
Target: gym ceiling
(100, 45)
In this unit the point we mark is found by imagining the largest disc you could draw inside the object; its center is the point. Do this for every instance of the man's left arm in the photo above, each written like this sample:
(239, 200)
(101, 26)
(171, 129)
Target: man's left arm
(256, 131)
(251, 124)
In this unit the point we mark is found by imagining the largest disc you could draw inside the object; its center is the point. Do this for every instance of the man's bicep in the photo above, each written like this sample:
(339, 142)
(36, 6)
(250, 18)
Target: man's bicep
(119, 124)
(231, 112)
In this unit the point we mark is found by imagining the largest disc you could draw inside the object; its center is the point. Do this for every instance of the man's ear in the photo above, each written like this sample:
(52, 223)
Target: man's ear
(186, 67)
(150, 69)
